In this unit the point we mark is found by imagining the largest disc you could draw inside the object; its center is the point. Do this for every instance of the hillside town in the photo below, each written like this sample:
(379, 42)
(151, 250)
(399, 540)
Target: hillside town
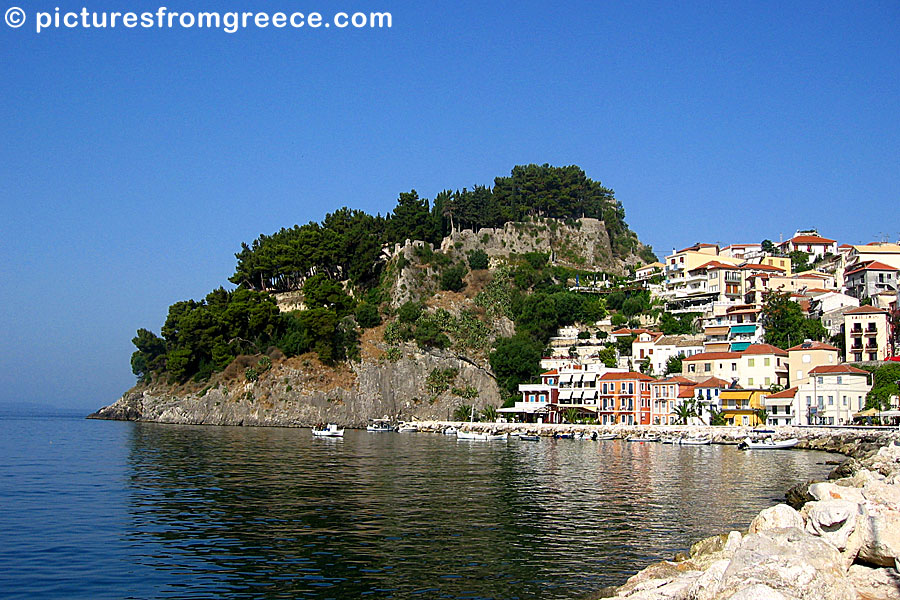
(726, 371)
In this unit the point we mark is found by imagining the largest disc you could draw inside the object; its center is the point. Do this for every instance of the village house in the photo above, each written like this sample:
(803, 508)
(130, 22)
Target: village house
(807, 356)
(867, 334)
(832, 395)
(741, 406)
(624, 399)
(759, 365)
(810, 243)
(870, 278)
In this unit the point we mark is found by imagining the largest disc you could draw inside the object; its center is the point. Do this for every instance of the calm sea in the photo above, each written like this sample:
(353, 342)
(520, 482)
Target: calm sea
(95, 509)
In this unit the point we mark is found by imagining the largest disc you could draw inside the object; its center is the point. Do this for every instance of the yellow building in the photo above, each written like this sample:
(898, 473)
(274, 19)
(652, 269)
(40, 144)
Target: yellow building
(739, 406)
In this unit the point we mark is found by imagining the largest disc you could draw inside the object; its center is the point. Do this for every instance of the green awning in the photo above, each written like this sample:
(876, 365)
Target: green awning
(739, 346)
(743, 328)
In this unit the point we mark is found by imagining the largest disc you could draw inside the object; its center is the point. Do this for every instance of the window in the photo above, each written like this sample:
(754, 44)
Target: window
(734, 366)
(807, 358)
(542, 398)
(551, 381)
(799, 374)
(845, 400)
(840, 380)
(830, 400)
(751, 362)
(707, 367)
(821, 380)
(531, 397)
(692, 368)
(768, 381)
(766, 362)
(750, 381)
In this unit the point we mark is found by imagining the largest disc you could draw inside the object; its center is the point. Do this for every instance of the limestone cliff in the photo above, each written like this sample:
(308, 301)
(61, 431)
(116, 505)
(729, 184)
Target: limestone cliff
(300, 392)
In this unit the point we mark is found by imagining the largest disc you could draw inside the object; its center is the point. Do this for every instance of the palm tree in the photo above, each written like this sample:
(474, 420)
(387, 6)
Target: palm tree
(570, 414)
(761, 414)
(462, 412)
(685, 411)
(716, 417)
(489, 412)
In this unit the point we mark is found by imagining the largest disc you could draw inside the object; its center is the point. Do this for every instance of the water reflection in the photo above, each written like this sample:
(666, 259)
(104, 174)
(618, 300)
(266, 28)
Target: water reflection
(275, 513)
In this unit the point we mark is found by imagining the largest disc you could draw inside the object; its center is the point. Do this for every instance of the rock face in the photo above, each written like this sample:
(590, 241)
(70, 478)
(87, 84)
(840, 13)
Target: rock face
(843, 545)
(291, 395)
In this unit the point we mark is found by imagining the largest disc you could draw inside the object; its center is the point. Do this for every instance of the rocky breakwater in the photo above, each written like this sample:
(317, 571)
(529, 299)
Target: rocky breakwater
(842, 544)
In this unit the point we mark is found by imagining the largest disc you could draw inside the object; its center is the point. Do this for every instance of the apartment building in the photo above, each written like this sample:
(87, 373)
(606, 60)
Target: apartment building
(805, 357)
(867, 334)
(870, 278)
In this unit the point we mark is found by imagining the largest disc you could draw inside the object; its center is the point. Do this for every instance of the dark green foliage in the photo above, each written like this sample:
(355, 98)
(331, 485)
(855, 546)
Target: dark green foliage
(768, 247)
(584, 335)
(635, 305)
(451, 277)
(799, 261)
(202, 337)
(515, 360)
(320, 330)
(618, 319)
(673, 365)
(615, 300)
(367, 315)
(428, 333)
(409, 312)
(439, 380)
(623, 344)
(682, 324)
(478, 259)
(884, 385)
(608, 356)
(150, 355)
(784, 321)
(321, 292)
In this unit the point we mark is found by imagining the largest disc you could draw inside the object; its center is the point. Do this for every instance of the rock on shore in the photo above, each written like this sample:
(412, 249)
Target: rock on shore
(843, 544)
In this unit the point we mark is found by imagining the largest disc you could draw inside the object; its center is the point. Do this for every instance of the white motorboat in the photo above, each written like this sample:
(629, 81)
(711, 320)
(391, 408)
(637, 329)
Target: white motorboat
(450, 430)
(407, 428)
(695, 441)
(768, 444)
(380, 426)
(648, 438)
(330, 430)
(606, 436)
(480, 435)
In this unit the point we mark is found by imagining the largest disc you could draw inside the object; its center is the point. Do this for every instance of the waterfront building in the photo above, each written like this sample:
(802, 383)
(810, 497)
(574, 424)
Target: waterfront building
(741, 406)
(665, 397)
(831, 395)
(624, 399)
(782, 408)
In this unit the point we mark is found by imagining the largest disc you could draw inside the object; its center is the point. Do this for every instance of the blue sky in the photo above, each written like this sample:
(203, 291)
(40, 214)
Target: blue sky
(135, 162)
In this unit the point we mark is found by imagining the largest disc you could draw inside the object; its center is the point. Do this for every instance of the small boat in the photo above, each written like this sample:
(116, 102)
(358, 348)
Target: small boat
(380, 426)
(668, 439)
(407, 428)
(649, 438)
(527, 437)
(330, 430)
(563, 436)
(606, 436)
(695, 441)
(768, 444)
(450, 430)
(480, 435)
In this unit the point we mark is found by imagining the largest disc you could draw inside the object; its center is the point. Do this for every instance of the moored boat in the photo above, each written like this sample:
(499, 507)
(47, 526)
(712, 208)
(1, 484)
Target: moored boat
(527, 437)
(380, 426)
(330, 430)
(407, 428)
(450, 430)
(480, 435)
(768, 444)
(649, 438)
(606, 436)
(695, 441)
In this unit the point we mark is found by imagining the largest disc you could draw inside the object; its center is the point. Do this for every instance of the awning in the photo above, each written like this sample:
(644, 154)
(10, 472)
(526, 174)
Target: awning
(743, 328)
(565, 378)
(869, 412)
(739, 346)
(565, 394)
(722, 330)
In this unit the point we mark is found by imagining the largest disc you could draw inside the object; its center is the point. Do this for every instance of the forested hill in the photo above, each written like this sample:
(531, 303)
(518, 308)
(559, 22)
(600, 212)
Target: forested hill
(346, 245)
(346, 280)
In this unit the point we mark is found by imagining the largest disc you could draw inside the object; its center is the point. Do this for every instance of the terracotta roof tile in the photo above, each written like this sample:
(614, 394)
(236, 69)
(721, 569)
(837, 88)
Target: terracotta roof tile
(711, 356)
(764, 349)
(788, 393)
(865, 310)
(834, 369)
(813, 346)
